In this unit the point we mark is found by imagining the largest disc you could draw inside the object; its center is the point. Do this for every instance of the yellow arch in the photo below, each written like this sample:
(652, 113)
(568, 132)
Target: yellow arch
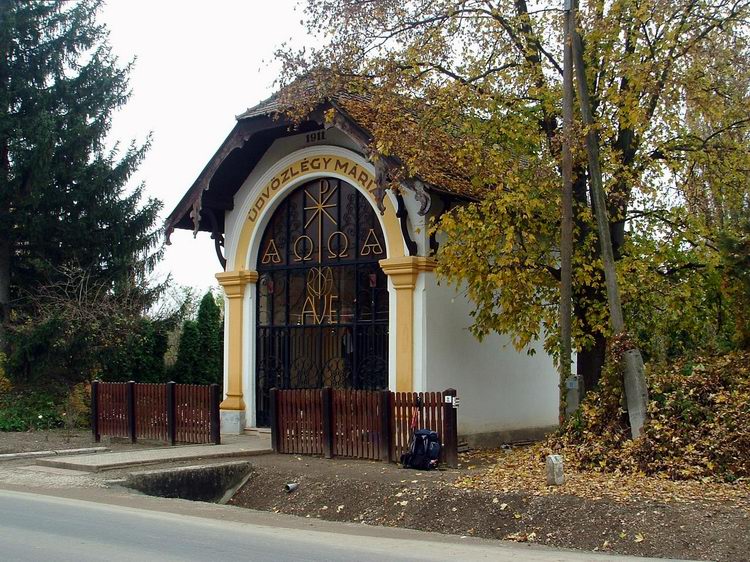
(355, 173)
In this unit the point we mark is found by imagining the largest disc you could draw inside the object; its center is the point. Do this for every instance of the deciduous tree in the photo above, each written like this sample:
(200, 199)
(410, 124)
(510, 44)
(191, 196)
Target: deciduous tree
(473, 88)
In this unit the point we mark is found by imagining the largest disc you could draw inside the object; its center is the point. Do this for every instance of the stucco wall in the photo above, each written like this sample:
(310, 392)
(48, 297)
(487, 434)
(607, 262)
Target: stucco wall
(504, 395)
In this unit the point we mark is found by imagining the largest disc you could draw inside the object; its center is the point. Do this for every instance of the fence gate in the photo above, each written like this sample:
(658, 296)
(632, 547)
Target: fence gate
(364, 424)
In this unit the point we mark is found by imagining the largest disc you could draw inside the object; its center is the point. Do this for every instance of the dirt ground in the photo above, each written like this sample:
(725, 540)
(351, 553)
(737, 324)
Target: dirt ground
(59, 439)
(376, 494)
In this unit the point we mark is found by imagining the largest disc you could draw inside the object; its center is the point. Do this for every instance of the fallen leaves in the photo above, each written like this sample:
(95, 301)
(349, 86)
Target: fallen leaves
(522, 470)
(521, 537)
(699, 426)
(696, 446)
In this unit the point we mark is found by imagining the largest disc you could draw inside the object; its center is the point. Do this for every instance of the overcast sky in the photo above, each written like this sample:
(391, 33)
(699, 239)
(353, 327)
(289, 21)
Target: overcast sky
(198, 65)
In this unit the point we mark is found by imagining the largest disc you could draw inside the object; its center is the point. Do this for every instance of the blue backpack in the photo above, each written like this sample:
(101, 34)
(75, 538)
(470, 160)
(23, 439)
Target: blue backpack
(424, 451)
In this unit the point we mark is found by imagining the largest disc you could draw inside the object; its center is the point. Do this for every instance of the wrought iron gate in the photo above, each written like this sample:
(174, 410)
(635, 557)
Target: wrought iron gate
(322, 306)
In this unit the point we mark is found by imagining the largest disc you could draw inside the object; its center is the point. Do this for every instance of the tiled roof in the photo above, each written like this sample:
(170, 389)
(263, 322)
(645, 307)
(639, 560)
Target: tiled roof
(266, 107)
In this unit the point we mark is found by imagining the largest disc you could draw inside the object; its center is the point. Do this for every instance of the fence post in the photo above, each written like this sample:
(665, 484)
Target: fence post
(171, 413)
(95, 411)
(131, 410)
(214, 415)
(327, 415)
(386, 431)
(274, 396)
(450, 428)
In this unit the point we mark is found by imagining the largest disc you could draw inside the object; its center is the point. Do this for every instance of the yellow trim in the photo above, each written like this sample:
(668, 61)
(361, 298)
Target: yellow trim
(234, 283)
(355, 173)
(403, 272)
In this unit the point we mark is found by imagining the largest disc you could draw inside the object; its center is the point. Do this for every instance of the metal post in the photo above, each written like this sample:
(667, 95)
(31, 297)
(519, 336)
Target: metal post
(327, 410)
(171, 413)
(450, 428)
(272, 407)
(214, 415)
(130, 396)
(95, 411)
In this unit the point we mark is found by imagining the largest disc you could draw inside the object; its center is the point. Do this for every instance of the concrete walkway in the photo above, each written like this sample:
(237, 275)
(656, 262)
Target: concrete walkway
(33, 454)
(232, 446)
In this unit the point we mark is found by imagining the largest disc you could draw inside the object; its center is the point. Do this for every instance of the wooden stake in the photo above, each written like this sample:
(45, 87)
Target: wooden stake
(570, 395)
(636, 392)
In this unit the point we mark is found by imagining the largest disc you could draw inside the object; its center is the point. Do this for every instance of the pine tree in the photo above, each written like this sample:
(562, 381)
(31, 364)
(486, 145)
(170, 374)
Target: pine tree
(140, 357)
(185, 368)
(63, 197)
(200, 352)
(210, 368)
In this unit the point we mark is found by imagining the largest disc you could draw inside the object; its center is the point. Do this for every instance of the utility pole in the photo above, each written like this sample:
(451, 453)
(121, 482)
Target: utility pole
(636, 392)
(570, 381)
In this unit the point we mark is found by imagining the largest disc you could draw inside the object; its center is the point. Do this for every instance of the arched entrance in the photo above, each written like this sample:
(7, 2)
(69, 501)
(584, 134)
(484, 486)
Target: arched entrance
(322, 298)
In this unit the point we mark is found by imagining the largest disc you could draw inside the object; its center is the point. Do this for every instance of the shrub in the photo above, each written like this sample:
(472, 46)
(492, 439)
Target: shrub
(5, 384)
(22, 410)
(29, 408)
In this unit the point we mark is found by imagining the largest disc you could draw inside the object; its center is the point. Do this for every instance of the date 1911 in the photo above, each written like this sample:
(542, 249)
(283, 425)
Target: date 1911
(315, 136)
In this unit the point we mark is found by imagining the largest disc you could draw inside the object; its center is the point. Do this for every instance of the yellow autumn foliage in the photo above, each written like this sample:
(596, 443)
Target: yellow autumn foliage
(5, 384)
(77, 406)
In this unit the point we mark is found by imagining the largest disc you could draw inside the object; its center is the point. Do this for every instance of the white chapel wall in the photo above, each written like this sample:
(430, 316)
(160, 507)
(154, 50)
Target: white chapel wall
(504, 395)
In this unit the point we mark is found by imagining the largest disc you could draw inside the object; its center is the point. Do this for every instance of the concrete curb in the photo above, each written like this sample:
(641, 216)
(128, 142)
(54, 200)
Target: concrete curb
(61, 452)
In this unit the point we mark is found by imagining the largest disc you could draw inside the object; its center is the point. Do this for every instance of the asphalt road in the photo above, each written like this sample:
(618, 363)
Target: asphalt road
(38, 527)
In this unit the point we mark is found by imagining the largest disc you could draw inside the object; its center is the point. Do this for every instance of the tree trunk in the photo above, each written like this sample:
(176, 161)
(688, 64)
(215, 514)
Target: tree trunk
(5, 243)
(590, 362)
(4, 291)
(636, 392)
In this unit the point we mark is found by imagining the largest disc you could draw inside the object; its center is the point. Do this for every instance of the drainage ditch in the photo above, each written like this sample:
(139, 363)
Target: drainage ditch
(215, 483)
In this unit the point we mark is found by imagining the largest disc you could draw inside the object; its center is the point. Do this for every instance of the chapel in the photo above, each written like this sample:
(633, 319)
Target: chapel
(329, 278)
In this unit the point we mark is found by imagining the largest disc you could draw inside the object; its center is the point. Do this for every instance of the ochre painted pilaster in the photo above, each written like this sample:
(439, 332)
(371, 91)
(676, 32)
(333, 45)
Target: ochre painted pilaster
(403, 272)
(233, 283)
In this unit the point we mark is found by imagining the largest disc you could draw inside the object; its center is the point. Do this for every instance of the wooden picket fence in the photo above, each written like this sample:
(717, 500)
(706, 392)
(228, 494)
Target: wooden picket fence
(358, 424)
(169, 412)
(364, 424)
(300, 419)
(151, 411)
(193, 411)
(430, 416)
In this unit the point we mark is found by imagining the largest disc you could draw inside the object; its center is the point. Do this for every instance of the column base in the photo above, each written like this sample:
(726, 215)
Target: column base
(232, 422)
